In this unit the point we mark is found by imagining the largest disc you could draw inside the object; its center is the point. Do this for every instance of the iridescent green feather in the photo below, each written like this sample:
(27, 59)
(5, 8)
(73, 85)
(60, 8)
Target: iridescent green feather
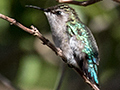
(76, 28)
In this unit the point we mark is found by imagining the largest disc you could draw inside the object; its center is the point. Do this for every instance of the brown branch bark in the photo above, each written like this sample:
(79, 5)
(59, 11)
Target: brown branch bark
(34, 31)
(7, 83)
(118, 1)
(80, 3)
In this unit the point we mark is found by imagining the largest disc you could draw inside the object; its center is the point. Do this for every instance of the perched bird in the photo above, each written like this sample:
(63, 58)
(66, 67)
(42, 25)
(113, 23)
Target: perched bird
(74, 39)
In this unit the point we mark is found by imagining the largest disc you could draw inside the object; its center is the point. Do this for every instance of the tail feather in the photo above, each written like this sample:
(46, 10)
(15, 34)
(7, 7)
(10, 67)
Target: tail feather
(89, 68)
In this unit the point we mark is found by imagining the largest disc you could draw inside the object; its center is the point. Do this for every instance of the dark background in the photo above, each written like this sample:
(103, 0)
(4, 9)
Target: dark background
(31, 66)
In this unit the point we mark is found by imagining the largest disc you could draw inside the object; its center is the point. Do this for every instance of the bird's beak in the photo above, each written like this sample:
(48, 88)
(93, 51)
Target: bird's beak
(35, 7)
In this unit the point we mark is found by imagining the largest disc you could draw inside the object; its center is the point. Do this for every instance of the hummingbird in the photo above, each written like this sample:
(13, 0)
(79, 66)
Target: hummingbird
(75, 40)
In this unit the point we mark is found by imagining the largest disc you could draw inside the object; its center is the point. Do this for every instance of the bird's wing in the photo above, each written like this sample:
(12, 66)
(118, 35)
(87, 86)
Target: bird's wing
(85, 49)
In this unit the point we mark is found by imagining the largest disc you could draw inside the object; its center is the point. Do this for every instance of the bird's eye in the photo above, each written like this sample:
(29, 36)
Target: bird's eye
(58, 12)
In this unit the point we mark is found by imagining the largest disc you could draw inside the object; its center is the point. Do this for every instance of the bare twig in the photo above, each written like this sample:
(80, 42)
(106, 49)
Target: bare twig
(34, 32)
(80, 3)
(45, 41)
(7, 83)
(117, 1)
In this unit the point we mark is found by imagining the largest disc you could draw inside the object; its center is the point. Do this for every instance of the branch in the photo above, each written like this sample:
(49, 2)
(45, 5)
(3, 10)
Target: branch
(34, 31)
(7, 83)
(118, 1)
(80, 3)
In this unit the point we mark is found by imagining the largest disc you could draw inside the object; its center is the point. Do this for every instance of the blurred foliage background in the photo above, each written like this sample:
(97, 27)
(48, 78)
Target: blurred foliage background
(29, 65)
